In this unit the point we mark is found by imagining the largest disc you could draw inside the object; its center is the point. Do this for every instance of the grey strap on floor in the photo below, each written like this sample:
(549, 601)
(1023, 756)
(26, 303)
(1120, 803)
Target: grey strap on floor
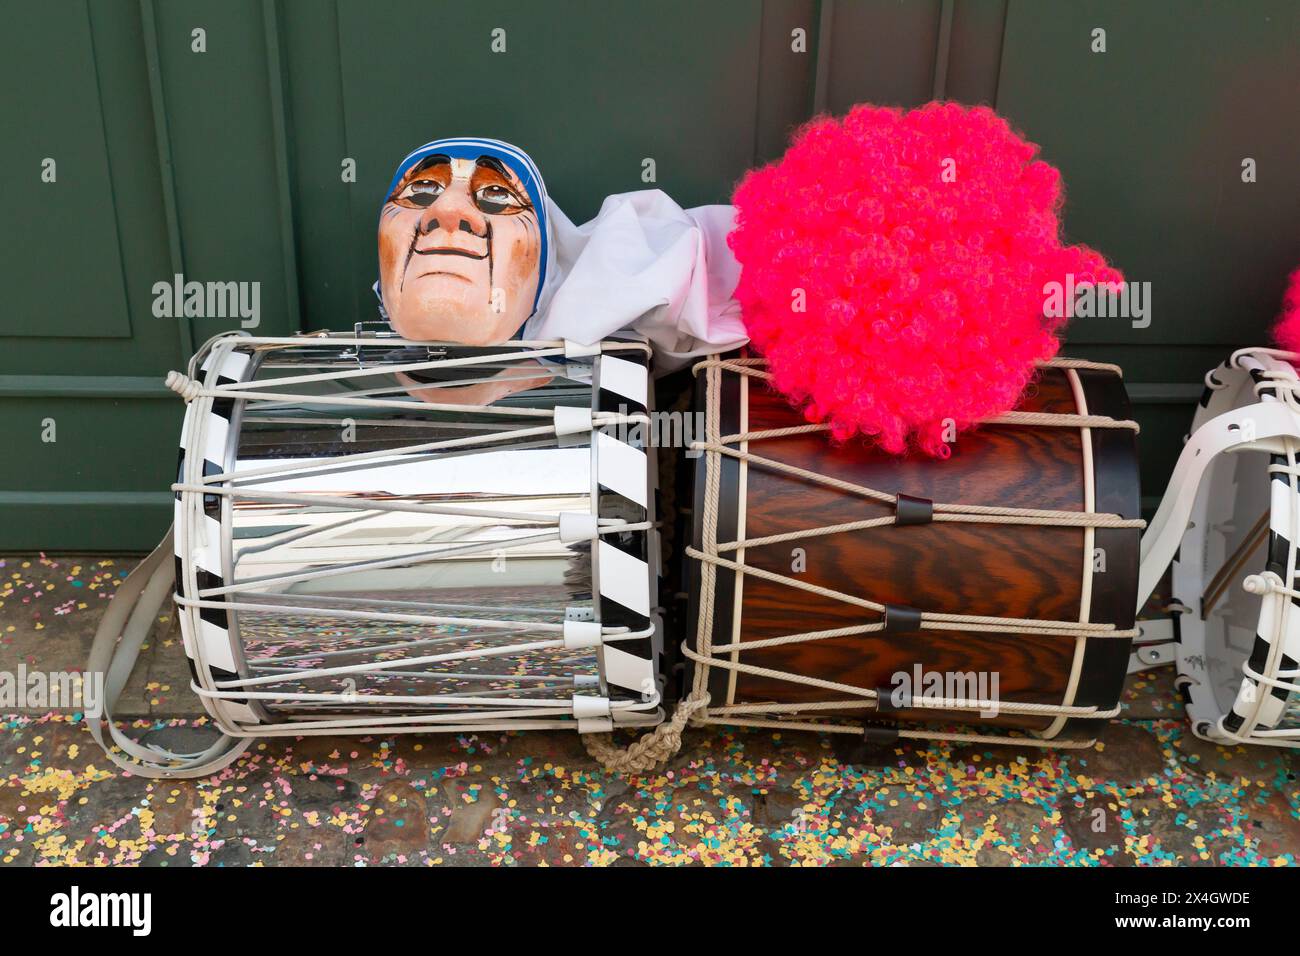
(122, 632)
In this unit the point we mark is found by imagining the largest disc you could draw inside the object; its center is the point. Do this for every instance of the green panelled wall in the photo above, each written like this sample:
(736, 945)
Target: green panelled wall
(225, 165)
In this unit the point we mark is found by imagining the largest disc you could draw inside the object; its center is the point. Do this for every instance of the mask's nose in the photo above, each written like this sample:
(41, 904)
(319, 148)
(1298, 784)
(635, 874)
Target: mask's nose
(454, 211)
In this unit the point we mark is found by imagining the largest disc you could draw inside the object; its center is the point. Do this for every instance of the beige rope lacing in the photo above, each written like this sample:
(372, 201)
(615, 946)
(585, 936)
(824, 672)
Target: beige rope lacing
(665, 740)
(749, 367)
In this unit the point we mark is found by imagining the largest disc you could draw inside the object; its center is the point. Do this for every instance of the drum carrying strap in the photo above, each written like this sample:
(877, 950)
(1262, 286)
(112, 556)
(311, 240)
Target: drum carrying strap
(114, 653)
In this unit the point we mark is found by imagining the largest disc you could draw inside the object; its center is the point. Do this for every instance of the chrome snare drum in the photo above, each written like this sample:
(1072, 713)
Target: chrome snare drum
(374, 535)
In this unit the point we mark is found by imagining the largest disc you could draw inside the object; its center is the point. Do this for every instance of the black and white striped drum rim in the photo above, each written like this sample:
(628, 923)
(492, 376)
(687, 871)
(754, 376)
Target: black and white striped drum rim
(206, 632)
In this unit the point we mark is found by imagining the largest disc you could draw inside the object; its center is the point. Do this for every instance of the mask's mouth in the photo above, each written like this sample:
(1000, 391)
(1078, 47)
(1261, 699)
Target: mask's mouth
(449, 251)
(453, 249)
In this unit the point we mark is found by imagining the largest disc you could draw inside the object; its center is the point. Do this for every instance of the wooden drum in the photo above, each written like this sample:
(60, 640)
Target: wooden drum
(988, 596)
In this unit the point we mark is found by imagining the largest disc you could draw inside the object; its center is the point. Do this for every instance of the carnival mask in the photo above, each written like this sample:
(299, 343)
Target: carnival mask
(463, 242)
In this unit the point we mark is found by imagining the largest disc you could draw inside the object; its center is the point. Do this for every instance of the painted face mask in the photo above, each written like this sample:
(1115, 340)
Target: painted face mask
(463, 242)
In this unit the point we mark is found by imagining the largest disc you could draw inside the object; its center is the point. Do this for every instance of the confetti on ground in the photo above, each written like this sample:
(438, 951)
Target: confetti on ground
(1149, 795)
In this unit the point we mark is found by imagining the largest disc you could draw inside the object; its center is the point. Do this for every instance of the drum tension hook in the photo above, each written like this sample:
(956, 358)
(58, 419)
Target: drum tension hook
(382, 330)
(1156, 645)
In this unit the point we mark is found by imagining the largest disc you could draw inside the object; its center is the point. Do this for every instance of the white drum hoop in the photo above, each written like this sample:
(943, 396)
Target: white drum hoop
(1250, 405)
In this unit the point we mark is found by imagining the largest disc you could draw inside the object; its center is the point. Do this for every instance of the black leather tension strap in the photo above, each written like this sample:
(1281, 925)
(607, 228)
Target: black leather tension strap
(900, 618)
(909, 509)
(879, 733)
(885, 700)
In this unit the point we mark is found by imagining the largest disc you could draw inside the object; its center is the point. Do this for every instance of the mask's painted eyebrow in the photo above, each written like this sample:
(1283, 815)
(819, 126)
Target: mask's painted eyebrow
(491, 162)
(438, 159)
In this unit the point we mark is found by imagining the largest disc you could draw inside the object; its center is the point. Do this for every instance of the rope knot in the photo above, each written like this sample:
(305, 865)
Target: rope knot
(183, 385)
(653, 748)
(1257, 584)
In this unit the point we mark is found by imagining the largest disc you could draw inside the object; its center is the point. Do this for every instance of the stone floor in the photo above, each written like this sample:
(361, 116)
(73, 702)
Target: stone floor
(1149, 794)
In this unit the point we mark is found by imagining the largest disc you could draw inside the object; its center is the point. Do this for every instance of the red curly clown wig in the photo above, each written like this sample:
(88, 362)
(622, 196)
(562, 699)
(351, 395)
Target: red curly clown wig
(1287, 331)
(894, 268)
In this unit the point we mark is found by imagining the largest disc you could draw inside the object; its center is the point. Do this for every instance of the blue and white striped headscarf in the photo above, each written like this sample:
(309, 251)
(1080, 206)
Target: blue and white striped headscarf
(514, 159)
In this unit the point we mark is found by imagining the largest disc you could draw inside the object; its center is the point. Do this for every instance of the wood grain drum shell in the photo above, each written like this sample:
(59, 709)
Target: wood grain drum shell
(1065, 574)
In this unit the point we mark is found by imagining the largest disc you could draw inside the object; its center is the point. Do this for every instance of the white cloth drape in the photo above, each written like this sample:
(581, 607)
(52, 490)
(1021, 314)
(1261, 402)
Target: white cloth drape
(644, 263)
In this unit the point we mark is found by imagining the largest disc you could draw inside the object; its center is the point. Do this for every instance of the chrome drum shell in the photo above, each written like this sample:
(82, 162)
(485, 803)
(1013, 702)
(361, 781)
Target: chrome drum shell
(378, 535)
